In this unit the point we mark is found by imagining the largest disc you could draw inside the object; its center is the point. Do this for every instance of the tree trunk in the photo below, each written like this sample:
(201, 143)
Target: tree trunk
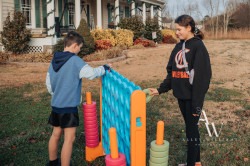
(217, 26)
(224, 23)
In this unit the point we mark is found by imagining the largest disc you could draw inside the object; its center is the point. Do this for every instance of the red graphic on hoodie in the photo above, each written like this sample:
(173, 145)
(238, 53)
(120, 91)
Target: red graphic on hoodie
(179, 60)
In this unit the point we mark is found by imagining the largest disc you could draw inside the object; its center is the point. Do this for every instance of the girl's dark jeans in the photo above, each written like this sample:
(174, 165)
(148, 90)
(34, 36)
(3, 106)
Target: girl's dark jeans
(192, 132)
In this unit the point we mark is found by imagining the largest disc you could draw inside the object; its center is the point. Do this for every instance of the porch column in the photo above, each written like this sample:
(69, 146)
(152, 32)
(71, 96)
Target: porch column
(56, 8)
(51, 18)
(77, 12)
(144, 12)
(152, 11)
(33, 14)
(117, 13)
(99, 14)
(159, 18)
(1, 23)
(133, 8)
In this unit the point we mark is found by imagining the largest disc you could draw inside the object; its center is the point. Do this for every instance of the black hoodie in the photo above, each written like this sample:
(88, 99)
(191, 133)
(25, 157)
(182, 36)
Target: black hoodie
(177, 79)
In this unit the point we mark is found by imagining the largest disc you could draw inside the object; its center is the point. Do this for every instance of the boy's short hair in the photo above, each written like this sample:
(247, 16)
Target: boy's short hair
(71, 38)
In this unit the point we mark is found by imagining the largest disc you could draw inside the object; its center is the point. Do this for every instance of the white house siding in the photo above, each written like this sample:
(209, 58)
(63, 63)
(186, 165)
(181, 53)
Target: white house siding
(7, 7)
(1, 17)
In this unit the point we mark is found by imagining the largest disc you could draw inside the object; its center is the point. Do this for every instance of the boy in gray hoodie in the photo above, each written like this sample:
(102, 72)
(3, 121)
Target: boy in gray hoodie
(64, 82)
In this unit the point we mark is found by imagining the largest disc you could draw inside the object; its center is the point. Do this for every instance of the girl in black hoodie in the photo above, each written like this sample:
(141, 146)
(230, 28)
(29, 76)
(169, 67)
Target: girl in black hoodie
(188, 74)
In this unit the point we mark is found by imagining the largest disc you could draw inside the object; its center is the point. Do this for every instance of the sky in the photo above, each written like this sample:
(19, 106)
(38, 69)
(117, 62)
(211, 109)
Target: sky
(176, 8)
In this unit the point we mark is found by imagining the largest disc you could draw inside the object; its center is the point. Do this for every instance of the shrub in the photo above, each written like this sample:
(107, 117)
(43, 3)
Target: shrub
(59, 46)
(169, 36)
(15, 36)
(134, 24)
(144, 42)
(103, 44)
(152, 43)
(152, 26)
(168, 32)
(169, 39)
(124, 38)
(106, 34)
(89, 43)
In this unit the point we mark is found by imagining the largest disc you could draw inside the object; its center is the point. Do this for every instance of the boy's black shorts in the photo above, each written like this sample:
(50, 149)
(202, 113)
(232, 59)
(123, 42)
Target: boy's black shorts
(64, 120)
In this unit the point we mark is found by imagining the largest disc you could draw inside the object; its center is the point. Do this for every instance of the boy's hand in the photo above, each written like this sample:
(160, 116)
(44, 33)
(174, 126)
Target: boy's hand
(107, 67)
(153, 91)
(110, 65)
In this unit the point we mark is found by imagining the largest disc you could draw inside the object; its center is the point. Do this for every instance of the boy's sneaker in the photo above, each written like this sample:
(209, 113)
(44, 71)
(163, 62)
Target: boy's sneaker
(182, 164)
(58, 163)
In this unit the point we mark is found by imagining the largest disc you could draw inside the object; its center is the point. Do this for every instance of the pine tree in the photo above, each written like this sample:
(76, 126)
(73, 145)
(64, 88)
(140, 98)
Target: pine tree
(15, 36)
(152, 26)
(89, 43)
(134, 24)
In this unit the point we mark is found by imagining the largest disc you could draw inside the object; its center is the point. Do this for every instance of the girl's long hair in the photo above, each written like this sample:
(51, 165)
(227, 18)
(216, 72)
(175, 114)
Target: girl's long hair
(186, 20)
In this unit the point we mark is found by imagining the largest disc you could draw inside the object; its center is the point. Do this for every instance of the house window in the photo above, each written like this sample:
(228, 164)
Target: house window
(127, 11)
(111, 13)
(71, 8)
(26, 10)
(121, 12)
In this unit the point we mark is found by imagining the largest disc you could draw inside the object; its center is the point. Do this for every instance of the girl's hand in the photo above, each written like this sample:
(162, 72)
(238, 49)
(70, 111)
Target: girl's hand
(153, 91)
(195, 114)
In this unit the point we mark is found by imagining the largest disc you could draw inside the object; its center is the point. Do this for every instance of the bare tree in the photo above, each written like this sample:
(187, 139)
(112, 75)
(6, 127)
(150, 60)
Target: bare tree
(217, 5)
(241, 16)
(225, 21)
(165, 10)
(209, 6)
(191, 8)
(231, 7)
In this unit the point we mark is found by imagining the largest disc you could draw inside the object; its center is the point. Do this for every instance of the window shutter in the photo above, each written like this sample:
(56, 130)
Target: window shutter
(88, 15)
(109, 14)
(60, 9)
(66, 14)
(37, 9)
(17, 5)
(127, 12)
(44, 14)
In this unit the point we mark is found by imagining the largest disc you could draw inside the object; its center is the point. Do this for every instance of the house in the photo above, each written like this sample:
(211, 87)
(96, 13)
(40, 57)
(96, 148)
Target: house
(167, 23)
(49, 19)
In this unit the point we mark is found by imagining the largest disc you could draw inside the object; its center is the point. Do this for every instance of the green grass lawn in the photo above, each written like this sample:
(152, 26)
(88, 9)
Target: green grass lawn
(24, 132)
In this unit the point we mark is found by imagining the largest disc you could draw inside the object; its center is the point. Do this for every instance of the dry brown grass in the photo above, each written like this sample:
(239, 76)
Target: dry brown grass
(4, 57)
(32, 57)
(104, 54)
(232, 34)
